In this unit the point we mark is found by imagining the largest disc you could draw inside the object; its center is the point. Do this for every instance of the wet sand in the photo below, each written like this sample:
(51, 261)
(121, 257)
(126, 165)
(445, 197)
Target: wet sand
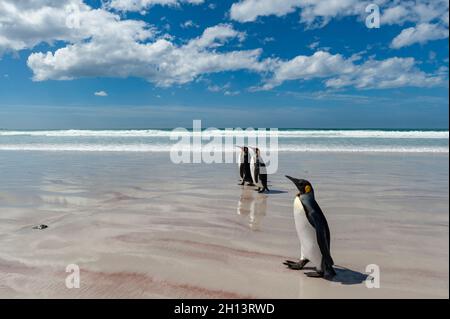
(139, 226)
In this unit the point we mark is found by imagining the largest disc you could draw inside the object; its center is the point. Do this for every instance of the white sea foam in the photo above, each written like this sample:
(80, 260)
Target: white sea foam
(167, 148)
(413, 134)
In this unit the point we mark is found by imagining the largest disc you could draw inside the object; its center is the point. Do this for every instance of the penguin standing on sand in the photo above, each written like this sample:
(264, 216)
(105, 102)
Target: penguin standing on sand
(244, 167)
(258, 170)
(312, 231)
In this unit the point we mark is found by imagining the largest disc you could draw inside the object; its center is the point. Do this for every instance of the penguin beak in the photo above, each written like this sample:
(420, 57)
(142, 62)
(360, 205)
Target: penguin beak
(296, 181)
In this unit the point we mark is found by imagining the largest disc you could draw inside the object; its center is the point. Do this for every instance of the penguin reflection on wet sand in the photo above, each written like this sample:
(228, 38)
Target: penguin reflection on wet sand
(313, 233)
(252, 208)
(244, 167)
(258, 170)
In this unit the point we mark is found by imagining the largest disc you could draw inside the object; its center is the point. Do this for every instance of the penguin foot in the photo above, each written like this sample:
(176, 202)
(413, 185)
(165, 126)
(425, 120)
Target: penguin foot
(241, 184)
(257, 189)
(314, 274)
(296, 265)
(250, 184)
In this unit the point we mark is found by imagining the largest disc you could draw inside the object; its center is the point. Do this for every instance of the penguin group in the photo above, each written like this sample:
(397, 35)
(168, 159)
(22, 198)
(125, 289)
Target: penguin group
(312, 227)
(252, 169)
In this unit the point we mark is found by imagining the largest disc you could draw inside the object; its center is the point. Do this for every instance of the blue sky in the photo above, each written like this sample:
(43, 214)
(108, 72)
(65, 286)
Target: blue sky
(260, 63)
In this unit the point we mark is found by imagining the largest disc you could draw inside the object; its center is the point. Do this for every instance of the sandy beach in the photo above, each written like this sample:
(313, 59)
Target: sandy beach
(139, 226)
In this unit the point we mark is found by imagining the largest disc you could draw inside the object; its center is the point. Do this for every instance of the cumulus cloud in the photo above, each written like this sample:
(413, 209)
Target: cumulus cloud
(165, 63)
(322, 11)
(161, 62)
(429, 16)
(250, 10)
(390, 73)
(216, 36)
(421, 33)
(311, 10)
(319, 65)
(418, 11)
(101, 93)
(225, 89)
(340, 72)
(101, 43)
(189, 24)
(24, 24)
(142, 5)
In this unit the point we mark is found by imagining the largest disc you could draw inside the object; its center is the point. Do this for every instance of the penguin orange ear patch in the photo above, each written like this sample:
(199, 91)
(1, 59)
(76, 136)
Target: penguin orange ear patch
(307, 189)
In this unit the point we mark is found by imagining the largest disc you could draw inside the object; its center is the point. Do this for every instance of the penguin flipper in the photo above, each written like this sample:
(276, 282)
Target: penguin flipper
(241, 171)
(316, 218)
(322, 239)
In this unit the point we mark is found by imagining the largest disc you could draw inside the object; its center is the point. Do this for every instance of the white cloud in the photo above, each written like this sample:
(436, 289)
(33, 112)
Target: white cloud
(395, 15)
(314, 45)
(142, 5)
(315, 13)
(226, 89)
(319, 65)
(339, 72)
(99, 43)
(24, 24)
(268, 40)
(217, 88)
(160, 62)
(250, 10)
(311, 10)
(421, 33)
(100, 93)
(216, 36)
(189, 24)
(322, 11)
(430, 19)
(390, 73)
(231, 93)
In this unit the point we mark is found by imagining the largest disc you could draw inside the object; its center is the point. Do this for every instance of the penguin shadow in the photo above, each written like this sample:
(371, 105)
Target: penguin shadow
(275, 192)
(270, 192)
(346, 276)
(253, 207)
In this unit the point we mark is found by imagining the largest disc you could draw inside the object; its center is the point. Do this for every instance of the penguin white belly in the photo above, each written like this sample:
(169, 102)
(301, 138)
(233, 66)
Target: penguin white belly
(255, 178)
(252, 168)
(307, 235)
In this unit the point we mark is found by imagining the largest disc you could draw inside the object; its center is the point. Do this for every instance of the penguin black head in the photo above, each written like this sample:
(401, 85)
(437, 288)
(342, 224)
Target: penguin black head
(303, 185)
(244, 149)
(256, 150)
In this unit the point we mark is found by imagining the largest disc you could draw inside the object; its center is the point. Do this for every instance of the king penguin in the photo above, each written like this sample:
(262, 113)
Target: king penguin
(313, 233)
(244, 167)
(258, 170)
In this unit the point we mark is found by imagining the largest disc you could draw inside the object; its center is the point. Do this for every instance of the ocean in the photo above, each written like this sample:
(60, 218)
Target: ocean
(289, 140)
